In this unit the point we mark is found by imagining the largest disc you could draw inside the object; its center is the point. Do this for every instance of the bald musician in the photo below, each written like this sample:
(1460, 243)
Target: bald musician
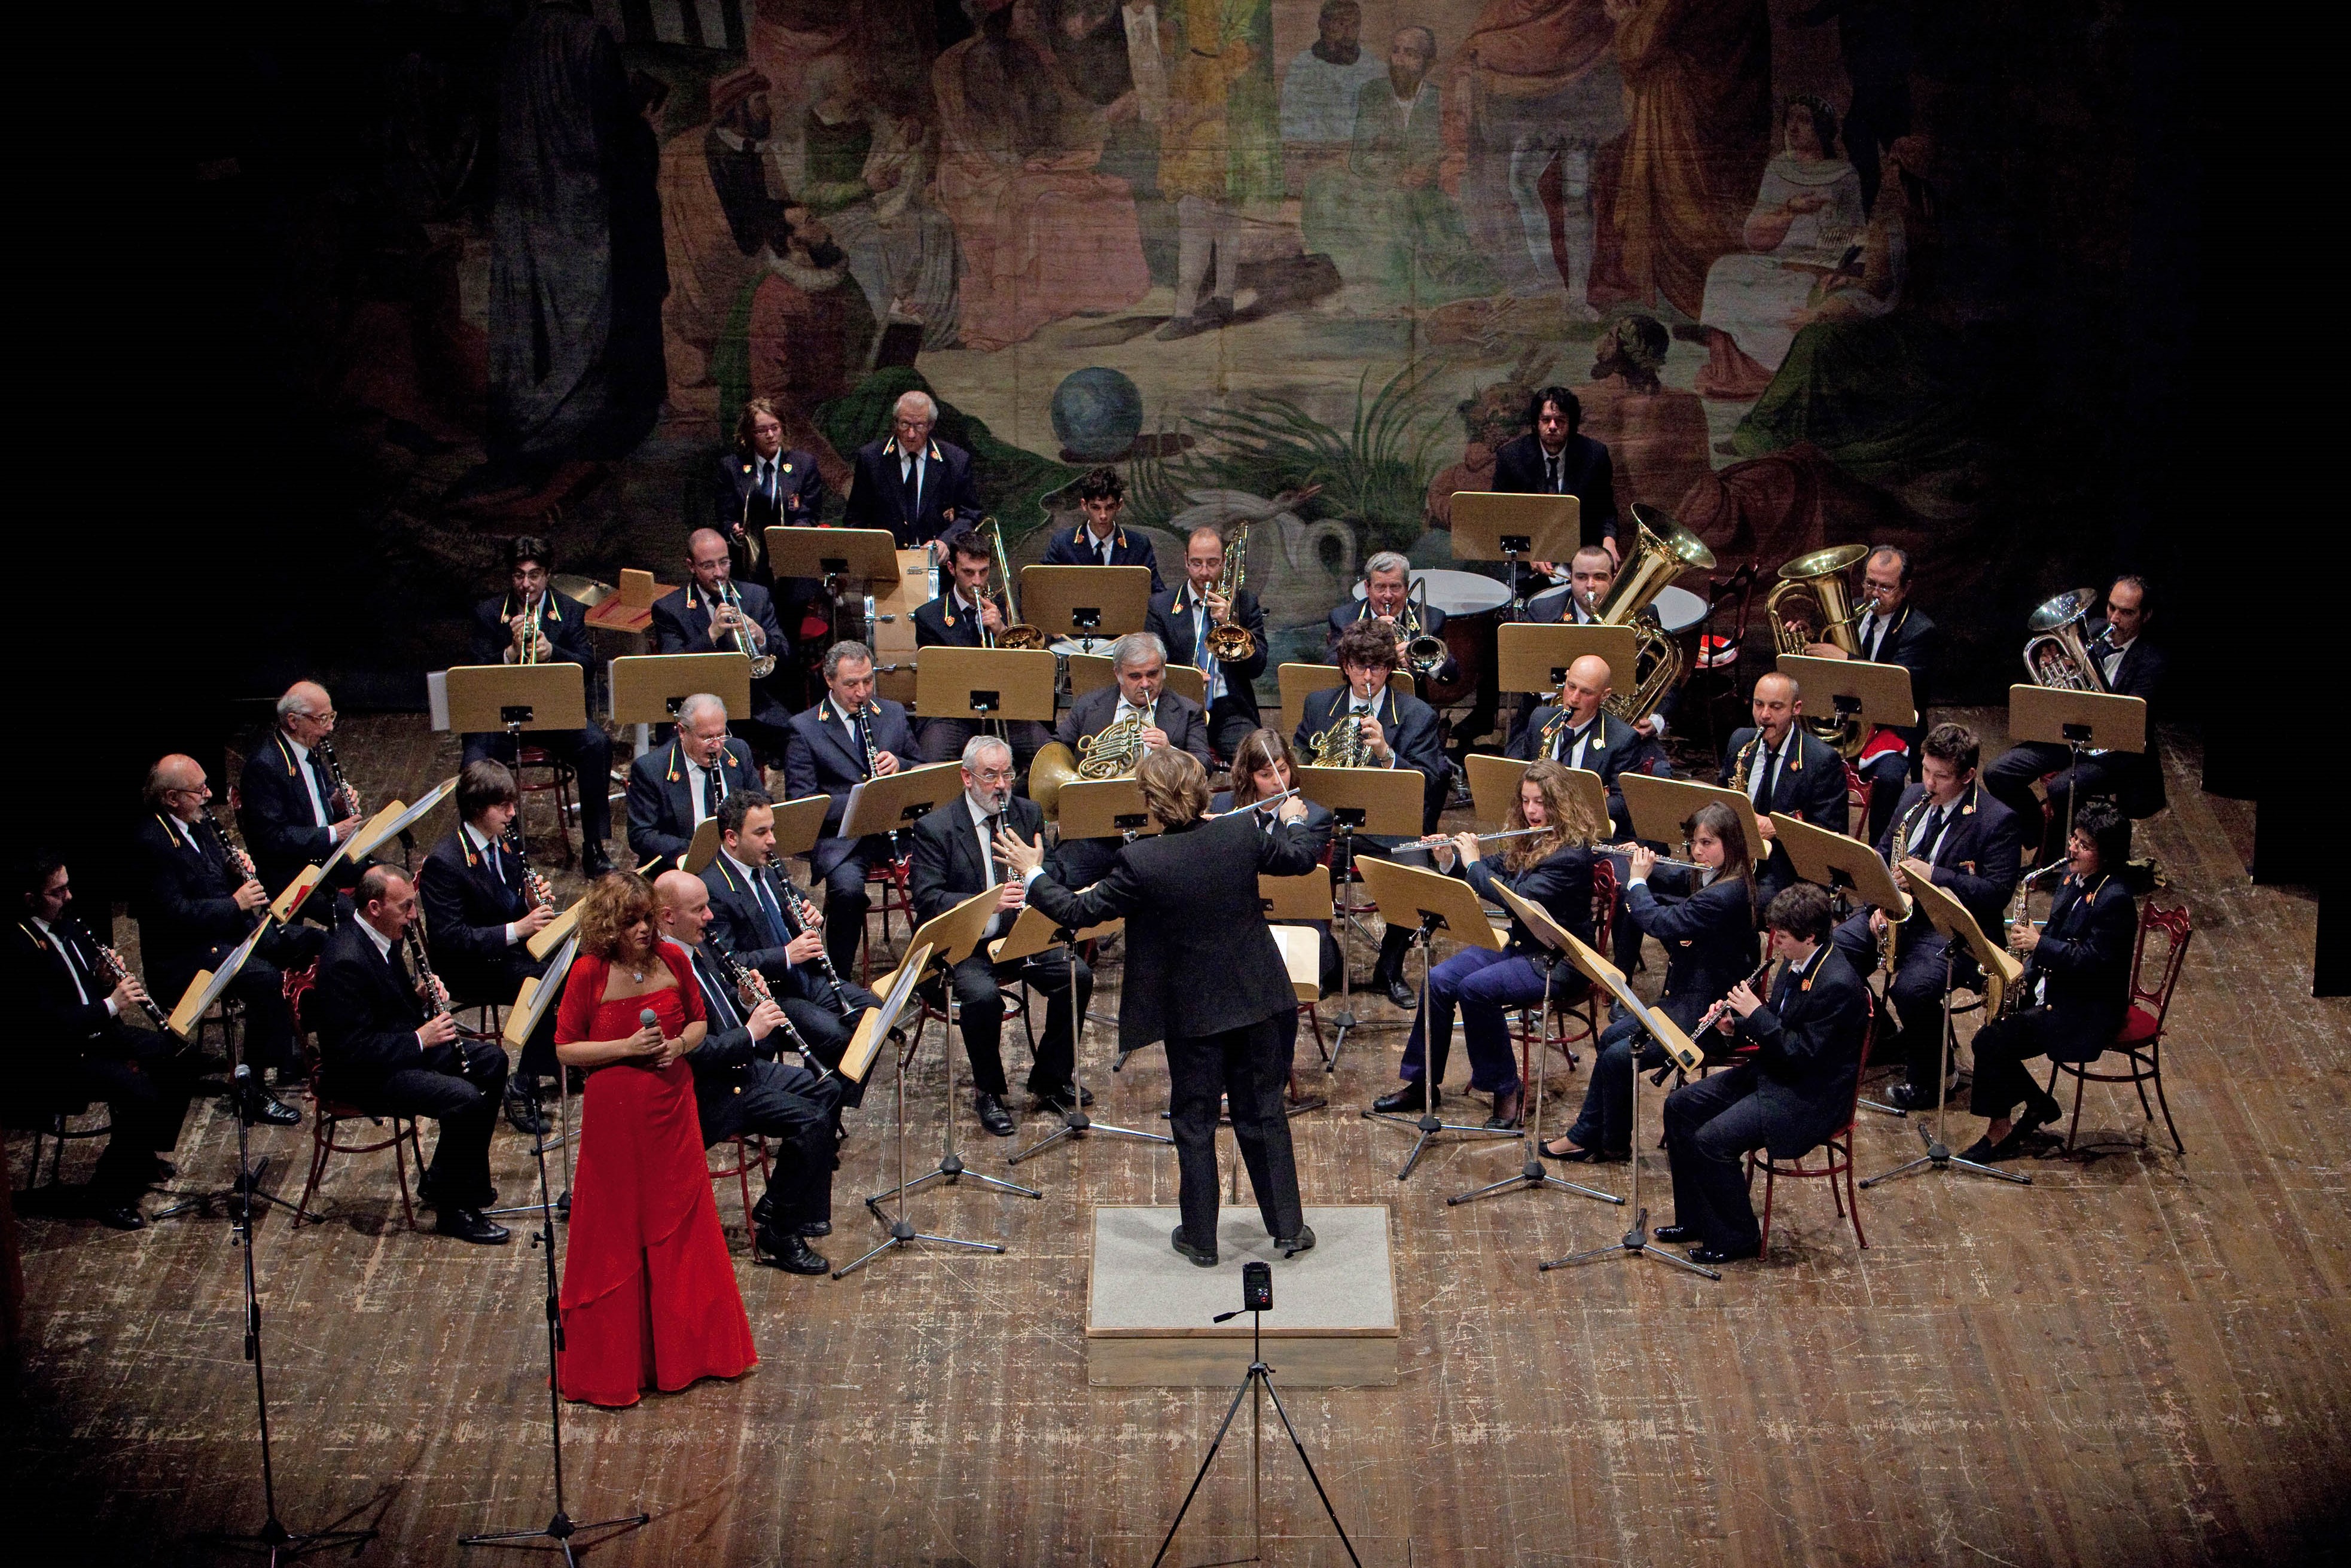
(715, 614)
(1782, 767)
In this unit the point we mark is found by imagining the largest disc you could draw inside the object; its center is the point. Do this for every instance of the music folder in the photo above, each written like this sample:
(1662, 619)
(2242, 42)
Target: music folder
(1833, 860)
(888, 801)
(1491, 525)
(986, 683)
(1086, 601)
(1946, 915)
(1433, 895)
(487, 699)
(874, 1025)
(1383, 802)
(205, 988)
(1608, 977)
(538, 992)
(648, 687)
(2092, 720)
(1034, 932)
(1529, 657)
(1103, 809)
(868, 556)
(545, 940)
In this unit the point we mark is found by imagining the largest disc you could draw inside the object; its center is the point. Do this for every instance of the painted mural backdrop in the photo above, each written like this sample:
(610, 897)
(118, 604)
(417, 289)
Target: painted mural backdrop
(1296, 260)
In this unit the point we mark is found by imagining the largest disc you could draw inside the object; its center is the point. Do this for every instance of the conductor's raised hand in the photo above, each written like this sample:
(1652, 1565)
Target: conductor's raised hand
(1020, 855)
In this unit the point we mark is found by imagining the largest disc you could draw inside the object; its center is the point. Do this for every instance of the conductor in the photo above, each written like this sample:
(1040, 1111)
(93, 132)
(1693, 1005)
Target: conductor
(1190, 896)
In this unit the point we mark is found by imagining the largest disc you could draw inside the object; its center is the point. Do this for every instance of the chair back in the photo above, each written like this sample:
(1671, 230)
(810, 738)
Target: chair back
(1857, 791)
(1861, 1068)
(2178, 927)
(1603, 906)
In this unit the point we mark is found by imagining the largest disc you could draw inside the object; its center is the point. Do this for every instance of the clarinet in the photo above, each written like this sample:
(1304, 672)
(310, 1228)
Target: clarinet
(865, 732)
(534, 886)
(803, 914)
(237, 859)
(429, 986)
(751, 988)
(341, 786)
(112, 965)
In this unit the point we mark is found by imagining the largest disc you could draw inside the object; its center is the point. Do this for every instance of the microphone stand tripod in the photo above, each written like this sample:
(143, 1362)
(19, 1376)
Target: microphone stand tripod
(1939, 1154)
(559, 1529)
(273, 1539)
(1428, 1124)
(1636, 1242)
(1075, 1123)
(1532, 1176)
(245, 1090)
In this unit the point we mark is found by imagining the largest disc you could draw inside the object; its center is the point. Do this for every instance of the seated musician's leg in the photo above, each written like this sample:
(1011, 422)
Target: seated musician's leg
(458, 1174)
(846, 906)
(1047, 974)
(981, 1007)
(1716, 1158)
(1486, 996)
(2011, 776)
(1917, 996)
(943, 739)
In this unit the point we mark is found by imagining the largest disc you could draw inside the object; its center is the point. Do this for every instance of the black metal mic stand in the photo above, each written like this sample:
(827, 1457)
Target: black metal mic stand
(559, 1529)
(1428, 1124)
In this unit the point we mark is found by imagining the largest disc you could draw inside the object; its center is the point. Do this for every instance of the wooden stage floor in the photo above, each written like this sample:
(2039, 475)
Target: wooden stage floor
(2139, 1360)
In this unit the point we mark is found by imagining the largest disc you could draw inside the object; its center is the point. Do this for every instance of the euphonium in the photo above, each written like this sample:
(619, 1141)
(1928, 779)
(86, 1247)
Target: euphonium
(1016, 634)
(1662, 551)
(1232, 642)
(762, 664)
(2056, 654)
(1819, 578)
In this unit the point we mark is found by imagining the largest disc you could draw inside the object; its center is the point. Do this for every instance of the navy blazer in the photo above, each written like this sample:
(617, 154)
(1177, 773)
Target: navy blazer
(1171, 621)
(681, 625)
(1180, 717)
(1076, 547)
(60, 1031)
(1560, 882)
(820, 757)
(738, 922)
(1979, 859)
(946, 867)
(944, 622)
(877, 498)
(282, 833)
(799, 493)
(563, 621)
(2085, 953)
(1708, 936)
(183, 898)
(1811, 787)
(1621, 751)
(1320, 824)
(2140, 674)
(661, 798)
(1808, 1041)
(728, 1060)
(1431, 620)
(365, 1019)
(467, 902)
(1586, 472)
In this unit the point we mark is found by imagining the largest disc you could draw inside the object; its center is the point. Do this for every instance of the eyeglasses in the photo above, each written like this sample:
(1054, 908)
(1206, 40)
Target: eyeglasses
(326, 718)
(992, 775)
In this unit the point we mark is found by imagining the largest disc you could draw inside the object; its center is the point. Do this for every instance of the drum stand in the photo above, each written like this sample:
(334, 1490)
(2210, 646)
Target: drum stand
(1939, 1154)
(1532, 1176)
(1428, 1124)
(1075, 1123)
(1636, 1242)
(950, 1168)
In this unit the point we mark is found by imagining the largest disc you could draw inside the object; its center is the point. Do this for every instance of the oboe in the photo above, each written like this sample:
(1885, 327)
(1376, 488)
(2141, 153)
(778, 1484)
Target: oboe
(804, 917)
(751, 989)
(113, 965)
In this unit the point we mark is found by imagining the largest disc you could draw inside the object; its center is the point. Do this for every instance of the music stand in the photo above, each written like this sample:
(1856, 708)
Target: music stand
(1382, 801)
(207, 986)
(1033, 932)
(858, 563)
(984, 684)
(648, 687)
(532, 998)
(1877, 695)
(943, 941)
(889, 802)
(1297, 682)
(1491, 526)
(1104, 808)
(485, 698)
(2078, 721)
(1659, 807)
(1532, 658)
(1494, 788)
(1686, 1055)
(1443, 904)
(1531, 1174)
(1950, 918)
(1088, 603)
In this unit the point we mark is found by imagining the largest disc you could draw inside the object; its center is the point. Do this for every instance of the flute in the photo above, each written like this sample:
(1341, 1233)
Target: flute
(1662, 860)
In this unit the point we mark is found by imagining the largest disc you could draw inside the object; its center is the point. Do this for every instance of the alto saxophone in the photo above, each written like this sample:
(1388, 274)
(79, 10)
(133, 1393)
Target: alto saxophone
(1746, 760)
(1889, 941)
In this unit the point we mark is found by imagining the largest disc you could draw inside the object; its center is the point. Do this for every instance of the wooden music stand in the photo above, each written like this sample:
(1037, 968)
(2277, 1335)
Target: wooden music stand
(1442, 904)
(648, 687)
(1086, 601)
(2078, 721)
(1842, 864)
(889, 802)
(487, 699)
(1686, 1055)
(1531, 658)
(798, 824)
(1490, 525)
(986, 683)
(1876, 694)
(1298, 682)
(1494, 788)
(1306, 897)
(1659, 807)
(1104, 808)
(1091, 672)
(867, 557)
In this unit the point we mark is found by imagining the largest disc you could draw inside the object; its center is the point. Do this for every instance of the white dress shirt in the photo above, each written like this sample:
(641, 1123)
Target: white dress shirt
(309, 782)
(73, 970)
(1758, 769)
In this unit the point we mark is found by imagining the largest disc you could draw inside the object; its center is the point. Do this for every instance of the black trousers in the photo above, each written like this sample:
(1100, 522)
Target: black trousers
(146, 1079)
(1917, 990)
(2010, 779)
(590, 752)
(943, 739)
(828, 1030)
(1888, 775)
(795, 1112)
(846, 900)
(1710, 1126)
(980, 1000)
(2002, 1047)
(498, 984)
(1249, 1068)
(466, 1107)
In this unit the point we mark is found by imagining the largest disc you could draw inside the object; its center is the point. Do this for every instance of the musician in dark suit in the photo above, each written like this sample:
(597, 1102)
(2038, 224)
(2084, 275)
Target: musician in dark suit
(1578, 732)
(674, 788)
(966, 615)
(740, 1087)
(1264, 767)
(918, 488)
(1554, 459)
(1889, 631)
(2076, 987)
(1705, 921)
(2132, 666)
(1592, 574)
(1397, 731)
(1139, 694)
(479, 918)
(1795, 1092)
(1182, 619)
(762, 483)
(1783, 766)
(380, 1049)
(83, 1036)
(755, 916)
(1204, 975)
(194, 905)
(1952, 823)
(850, 736)
(288, 809)
(562, 638)
(1387, 601)
(699, 618)
(954, 859)
(1099, 541)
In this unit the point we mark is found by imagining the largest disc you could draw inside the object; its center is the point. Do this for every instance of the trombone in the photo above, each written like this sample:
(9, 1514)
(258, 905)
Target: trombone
(1423, 653)
(1016, 634)
(1232, 642)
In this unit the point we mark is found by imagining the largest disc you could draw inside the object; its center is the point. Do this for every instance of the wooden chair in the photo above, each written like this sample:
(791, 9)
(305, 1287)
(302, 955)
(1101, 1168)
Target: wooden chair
(1857, 791)
(1837, 1147)
(894, 877)
(750, 1149)
(1584, 1018)
(328, 1116)
(51, 1122)
(2140, 1041)
(561, 780)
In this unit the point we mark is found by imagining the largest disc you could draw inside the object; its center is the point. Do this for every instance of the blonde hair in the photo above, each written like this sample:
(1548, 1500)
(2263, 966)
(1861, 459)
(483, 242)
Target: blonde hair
(1174, 787)
(617, 901)
(1566, 817)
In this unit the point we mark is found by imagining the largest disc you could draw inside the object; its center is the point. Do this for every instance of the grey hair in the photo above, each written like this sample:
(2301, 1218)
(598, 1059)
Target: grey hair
(290, 705)
(848, 648)
(1134, 647)
(930, 404)
(979, 746)
(688, 710)
(1387, 560)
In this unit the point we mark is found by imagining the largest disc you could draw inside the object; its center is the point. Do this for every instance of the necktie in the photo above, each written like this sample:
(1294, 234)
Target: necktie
(767, 480)
(1933, 835)
(1102, 550)
(988, 856)
(771, 910)
(1551, 474)
(912, 484)
(73, 964)
(711, 795)
(399, 975)
(1876, 632)
(1570, 742)
(1771, 782)
(326, 791)
(714, 993)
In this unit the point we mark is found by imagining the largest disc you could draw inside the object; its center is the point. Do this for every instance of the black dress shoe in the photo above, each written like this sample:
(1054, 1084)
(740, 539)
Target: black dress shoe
(1707, 1257)
(1408, 1098)
(993, 1115)
(120, 1217)
(1291, 1246)
(1978, 1153)
(789, 1253)
(1404, 995)
(1673, 1235)
(1200, 1259)
(1910, 1097)
(1056, 1099)
(468, 1225)
(763, 1213)
(817, 1227)
(522, 1107)
(593, 861)
(264, 1106)
(161, 1169)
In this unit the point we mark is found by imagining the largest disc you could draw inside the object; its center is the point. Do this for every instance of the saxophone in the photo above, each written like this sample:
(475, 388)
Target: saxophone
(1889, 941)
(2010, 971)
(1739, 780)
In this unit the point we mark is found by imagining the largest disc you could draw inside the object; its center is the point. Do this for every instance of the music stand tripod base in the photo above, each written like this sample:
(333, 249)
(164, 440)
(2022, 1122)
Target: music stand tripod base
(1937, 1153)
(1428, 1124)
(1533, 1176)
(1075, 1123)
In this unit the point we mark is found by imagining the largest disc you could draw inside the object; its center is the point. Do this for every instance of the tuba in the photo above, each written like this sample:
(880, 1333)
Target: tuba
(1016, 634)
(1113, 754)
(2056, 653)
(1232, 642)
(1663, 549)
(1818, 581)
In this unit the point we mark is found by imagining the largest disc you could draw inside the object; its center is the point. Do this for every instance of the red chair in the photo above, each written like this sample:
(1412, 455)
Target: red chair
(1582, 1019)
(1837, 1147)
(894, 878)
(1857, 791)
(2140, 1041)
(750, 1148)
(562, 782)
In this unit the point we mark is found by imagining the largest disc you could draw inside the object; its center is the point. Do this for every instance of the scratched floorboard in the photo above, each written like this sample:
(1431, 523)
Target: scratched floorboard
(2141, 1360)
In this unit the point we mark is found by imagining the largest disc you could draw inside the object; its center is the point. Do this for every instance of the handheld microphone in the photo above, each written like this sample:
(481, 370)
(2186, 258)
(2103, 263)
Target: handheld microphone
(647, 1019)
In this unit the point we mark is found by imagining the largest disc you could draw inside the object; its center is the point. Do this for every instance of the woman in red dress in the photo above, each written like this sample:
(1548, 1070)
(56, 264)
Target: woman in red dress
(649, 1296)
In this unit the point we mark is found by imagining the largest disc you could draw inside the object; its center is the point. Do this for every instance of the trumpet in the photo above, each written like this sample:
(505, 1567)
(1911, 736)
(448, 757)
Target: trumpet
(1016, 634)
(115, 967)
(527, 651)
(763, 664)
(1232, 642)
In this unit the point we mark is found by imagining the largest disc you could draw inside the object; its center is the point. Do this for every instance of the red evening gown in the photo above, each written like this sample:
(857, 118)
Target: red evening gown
(648, 1297)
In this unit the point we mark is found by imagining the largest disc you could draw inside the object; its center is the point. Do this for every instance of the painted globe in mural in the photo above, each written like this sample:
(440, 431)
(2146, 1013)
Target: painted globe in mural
(1097, 413)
